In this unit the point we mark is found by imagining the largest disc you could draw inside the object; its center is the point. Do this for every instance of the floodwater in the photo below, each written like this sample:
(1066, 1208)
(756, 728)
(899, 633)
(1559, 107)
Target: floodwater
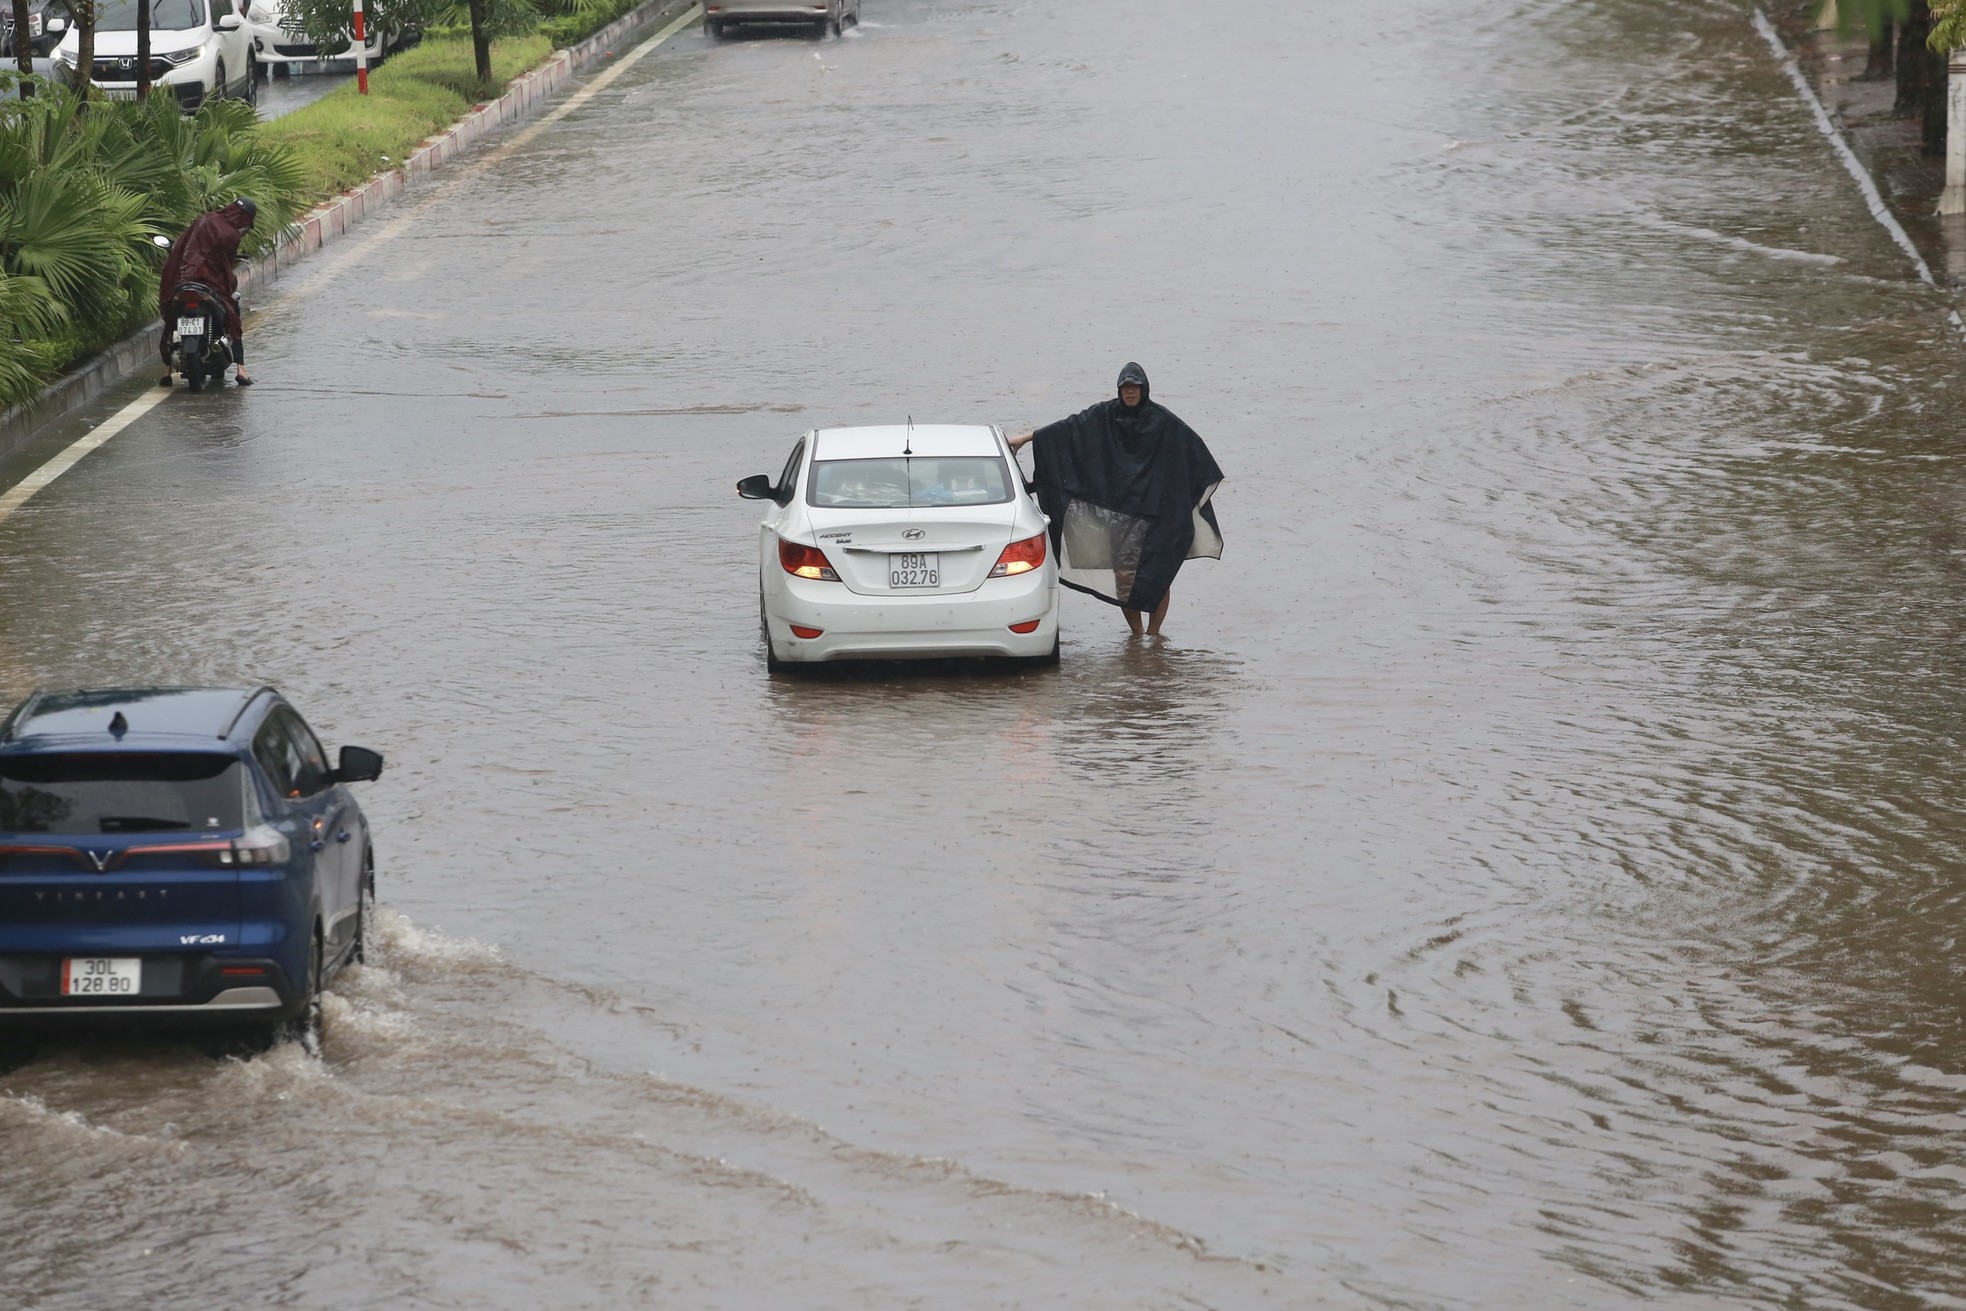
(1526, 875)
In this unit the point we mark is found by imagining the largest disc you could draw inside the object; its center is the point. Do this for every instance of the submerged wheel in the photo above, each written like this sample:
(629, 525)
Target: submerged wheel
(772, 663)
(194, 372)
(713, 28)
(365, 916)
(304, 1025)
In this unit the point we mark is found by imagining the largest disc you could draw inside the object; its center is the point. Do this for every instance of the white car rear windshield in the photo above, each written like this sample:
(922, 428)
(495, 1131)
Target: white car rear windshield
(133, 792)
(909, 482)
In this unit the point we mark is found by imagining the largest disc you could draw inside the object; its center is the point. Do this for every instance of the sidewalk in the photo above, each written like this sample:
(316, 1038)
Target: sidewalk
(1888, 146)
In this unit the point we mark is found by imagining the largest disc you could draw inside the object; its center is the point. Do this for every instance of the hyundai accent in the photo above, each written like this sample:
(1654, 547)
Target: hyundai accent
(903, 542)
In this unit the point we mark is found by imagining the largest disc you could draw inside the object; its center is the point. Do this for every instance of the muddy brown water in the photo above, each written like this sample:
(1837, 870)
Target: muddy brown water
(1527, 875)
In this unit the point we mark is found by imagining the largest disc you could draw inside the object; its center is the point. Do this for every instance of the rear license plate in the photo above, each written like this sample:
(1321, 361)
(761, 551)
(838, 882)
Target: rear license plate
(914, 569)
(101, 976)
(190, 327)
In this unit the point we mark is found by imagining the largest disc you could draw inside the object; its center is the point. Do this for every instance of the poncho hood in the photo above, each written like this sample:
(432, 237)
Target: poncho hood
(1127, 491)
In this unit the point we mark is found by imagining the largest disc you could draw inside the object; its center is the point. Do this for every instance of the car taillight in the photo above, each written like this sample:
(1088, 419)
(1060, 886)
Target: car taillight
(806, 562)
(260, 846)
(1020, 557)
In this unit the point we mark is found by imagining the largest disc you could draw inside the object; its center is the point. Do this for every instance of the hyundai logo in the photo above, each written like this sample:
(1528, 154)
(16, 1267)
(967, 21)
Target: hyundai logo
(915, 534)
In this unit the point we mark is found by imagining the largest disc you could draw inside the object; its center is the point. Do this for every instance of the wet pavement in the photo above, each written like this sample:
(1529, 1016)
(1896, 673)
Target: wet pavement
(1526, 875)
(283, 93)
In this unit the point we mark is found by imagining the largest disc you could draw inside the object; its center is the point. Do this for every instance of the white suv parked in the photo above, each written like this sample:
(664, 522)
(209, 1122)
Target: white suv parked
(198, 48)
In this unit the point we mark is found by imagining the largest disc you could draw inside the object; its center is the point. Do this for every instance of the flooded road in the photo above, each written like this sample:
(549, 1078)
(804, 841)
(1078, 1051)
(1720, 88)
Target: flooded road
(1527, 875)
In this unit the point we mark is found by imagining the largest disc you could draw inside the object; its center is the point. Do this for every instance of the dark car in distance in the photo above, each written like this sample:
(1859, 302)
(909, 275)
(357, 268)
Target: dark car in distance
(47, 22)
(177, 855)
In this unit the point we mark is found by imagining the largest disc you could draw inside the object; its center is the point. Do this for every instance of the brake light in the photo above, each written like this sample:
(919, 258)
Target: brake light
(806, 562)
(1028, 626)
(259, 846)
(243, 971)
(1020, 557)
(800, 630)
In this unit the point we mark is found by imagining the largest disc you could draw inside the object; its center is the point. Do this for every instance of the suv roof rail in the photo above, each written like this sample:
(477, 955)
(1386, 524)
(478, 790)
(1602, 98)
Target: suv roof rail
(244, 706)
(20, 712)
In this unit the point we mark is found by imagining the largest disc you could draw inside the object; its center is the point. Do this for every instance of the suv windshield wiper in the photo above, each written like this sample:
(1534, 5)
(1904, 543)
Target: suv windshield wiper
(138, 824)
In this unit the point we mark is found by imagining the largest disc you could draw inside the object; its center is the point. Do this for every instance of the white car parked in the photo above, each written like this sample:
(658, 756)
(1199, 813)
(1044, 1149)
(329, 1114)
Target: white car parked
(280, 50)
(903, 542)
(200, 49)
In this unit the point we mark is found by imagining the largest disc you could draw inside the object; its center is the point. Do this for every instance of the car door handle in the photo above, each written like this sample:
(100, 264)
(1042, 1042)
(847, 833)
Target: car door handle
(318, 844)
(341, 836)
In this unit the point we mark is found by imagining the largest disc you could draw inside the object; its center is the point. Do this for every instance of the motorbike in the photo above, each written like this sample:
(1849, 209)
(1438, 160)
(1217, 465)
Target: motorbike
(201, 344)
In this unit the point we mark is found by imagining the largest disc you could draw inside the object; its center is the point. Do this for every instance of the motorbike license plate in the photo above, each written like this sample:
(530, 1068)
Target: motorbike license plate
(190, 327)
(914, 569)
(101, 976)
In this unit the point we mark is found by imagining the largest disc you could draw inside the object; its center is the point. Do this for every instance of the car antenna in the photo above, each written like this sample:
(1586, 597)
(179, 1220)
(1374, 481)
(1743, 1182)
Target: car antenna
(908, 442)
(119, 725)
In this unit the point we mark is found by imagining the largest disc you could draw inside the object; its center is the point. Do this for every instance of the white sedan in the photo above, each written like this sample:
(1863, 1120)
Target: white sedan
(282, 50)
(903, 542)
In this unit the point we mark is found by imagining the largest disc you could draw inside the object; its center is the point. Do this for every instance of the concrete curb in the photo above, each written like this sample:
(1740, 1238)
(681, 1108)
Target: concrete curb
(334, 219)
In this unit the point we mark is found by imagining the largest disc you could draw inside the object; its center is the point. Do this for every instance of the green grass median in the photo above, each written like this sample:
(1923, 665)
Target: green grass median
(344, 137)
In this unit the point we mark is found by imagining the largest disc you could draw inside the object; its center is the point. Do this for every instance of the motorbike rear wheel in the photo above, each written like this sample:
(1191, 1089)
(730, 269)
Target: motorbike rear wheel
(194, 372)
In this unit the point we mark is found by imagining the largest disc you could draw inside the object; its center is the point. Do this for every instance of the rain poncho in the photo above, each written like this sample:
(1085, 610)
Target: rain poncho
(1127, 492)
(205, 253)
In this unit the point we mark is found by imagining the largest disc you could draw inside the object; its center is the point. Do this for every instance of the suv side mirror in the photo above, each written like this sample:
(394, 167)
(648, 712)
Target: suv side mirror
(757, 488)
(56, 23)
(358, 765)
(230, 23)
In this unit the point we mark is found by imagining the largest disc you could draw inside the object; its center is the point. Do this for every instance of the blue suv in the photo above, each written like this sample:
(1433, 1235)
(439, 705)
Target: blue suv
(177, 854)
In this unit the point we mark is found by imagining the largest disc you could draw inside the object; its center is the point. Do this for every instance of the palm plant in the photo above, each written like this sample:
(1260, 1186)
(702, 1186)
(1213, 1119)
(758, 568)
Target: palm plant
(81, 196)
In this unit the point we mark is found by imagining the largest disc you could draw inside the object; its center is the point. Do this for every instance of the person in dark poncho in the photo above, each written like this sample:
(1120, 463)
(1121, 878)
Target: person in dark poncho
(206, 253)
(1126, 486)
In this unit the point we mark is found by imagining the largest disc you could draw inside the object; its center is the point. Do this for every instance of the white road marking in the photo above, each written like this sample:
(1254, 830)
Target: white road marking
(23, 491)
(1872, 199)
(61, 464)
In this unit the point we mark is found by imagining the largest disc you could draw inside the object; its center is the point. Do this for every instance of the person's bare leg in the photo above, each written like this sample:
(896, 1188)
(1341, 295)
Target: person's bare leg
(1160, 613)
(1133, 621)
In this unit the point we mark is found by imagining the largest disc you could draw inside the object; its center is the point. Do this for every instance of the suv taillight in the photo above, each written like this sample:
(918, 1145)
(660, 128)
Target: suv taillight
(258, 846)
(806, 562)
(1020, 557)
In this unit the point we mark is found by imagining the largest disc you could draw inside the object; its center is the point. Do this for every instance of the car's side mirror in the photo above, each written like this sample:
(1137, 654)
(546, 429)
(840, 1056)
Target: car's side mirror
(231, 23)
(57, 23)
(358, 765)
(757, 488)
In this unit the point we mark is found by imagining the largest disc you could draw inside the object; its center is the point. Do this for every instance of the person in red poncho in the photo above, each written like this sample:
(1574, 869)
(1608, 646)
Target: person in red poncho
(205, 253)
